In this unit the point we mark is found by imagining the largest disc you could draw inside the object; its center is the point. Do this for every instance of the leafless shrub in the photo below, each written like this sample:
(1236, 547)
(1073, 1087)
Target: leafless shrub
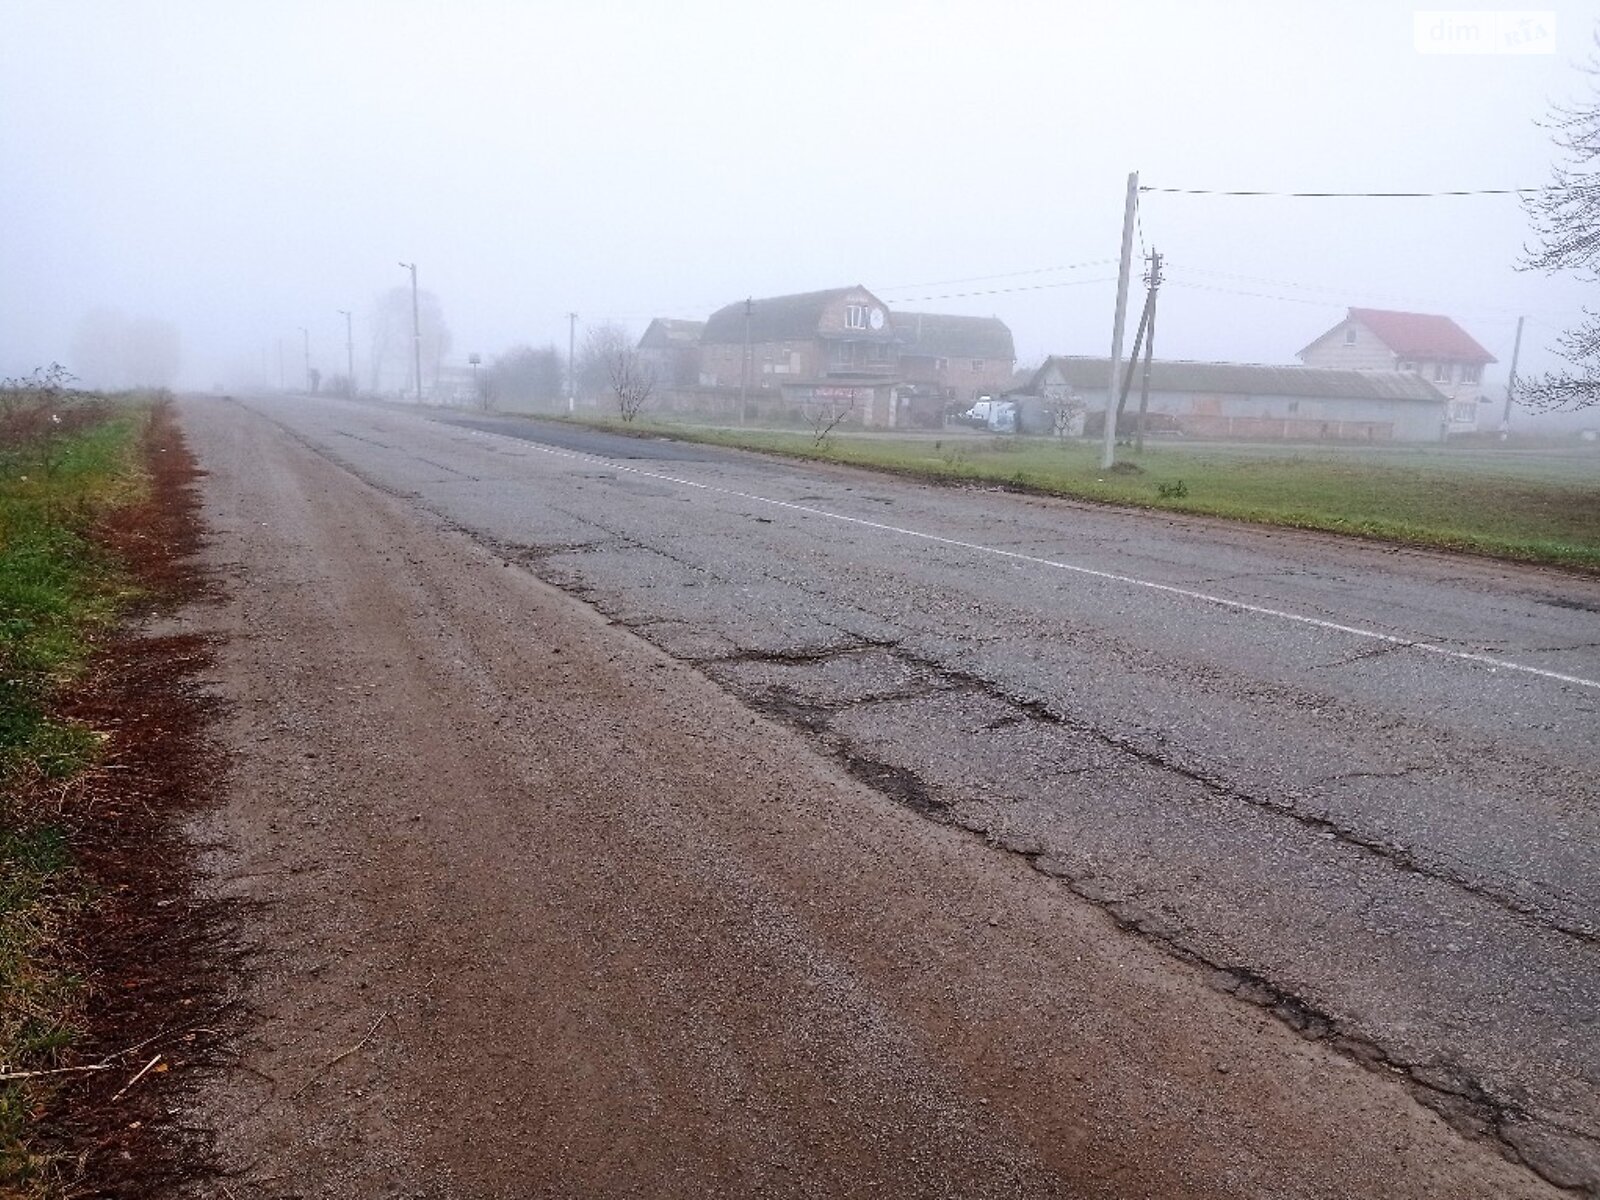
(824, 416)
(632, 382)
(37, 413)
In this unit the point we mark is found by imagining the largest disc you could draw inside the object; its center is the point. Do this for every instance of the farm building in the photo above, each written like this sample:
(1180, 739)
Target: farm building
(1258, 402)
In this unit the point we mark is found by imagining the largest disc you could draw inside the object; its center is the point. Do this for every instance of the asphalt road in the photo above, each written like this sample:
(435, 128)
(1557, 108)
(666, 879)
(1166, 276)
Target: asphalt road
(1359, 784)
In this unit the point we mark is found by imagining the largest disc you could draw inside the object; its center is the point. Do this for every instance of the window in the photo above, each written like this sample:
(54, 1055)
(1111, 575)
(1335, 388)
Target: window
(1471, 373)
(855, 316)
(1294, 406)
(1441, 372)
(977, 364)
(1405, 365)
(1350, 335)
(842, 353)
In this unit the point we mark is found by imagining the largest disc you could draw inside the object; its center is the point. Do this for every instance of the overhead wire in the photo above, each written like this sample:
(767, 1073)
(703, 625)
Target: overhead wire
(1095, 262)
(1520, 191)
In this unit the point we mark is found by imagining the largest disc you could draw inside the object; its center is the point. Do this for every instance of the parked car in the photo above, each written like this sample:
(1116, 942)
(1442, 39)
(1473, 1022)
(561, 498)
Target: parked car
(998, 416)
(978, 414)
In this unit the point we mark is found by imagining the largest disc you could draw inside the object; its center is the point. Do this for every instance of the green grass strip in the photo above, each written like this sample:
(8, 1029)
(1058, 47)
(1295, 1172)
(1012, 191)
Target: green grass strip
(1538, 506)
(58, 590)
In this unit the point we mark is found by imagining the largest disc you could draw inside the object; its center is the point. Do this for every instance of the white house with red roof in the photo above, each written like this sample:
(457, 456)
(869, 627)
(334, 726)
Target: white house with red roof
(1425, 344)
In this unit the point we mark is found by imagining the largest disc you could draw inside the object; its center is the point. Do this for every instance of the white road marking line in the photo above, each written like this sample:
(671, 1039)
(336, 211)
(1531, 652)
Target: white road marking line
(1110, 576)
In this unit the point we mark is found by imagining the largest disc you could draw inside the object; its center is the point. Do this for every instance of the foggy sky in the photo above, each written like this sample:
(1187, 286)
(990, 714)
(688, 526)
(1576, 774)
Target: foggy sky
(245, 169)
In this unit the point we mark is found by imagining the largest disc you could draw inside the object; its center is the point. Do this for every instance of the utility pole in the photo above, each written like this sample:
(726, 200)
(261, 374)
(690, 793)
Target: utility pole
(416, 328)
(349, 354)
(282, 384)
(1153, 280)
(1511, 381)
(572, 363)
(306, 334)
(744, 365)
(1108, 452)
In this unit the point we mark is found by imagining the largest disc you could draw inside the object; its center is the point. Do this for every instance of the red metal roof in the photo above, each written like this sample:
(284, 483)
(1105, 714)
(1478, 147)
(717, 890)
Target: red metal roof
(1422, 335)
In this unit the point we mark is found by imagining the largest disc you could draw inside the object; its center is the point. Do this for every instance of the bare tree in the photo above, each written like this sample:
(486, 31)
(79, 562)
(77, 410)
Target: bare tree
(824, 416)
(632, 381)
(1566, 219)
(602, 343)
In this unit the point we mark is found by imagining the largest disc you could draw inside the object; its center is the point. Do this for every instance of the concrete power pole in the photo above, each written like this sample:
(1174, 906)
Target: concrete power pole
(349, 354)
(416, 328)
(572, 364)
(1108, 452)
(1511, 380)
(744, 364)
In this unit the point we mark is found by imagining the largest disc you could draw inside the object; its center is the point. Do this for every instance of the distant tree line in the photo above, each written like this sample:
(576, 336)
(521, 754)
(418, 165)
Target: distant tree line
(112, 351)
(526, 375)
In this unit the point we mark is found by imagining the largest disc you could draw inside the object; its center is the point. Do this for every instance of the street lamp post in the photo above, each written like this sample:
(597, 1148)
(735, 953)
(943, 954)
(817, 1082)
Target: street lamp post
(416, 328)
(306, 334)
(572, 368)
(349, 354)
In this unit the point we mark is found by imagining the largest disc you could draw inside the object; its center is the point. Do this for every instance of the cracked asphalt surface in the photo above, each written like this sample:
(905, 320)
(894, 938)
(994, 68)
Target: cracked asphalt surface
(1352, 789)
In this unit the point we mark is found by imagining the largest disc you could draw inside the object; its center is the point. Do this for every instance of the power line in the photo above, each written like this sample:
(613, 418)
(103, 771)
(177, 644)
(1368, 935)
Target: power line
(1524, 191)
(1098, 262)
(1344, 293)
(1226, 291)
(1035, 287)
(1032, 287)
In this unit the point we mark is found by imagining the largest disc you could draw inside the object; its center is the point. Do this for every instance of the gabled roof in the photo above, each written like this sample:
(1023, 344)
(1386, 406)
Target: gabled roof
(665, 333)
(1416, 335)
(939, 335)
(775, 318)
(1248, 379)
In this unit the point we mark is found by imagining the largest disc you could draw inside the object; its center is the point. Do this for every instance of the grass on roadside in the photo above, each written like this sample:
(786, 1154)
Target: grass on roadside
(57, 591)
(1527, 507)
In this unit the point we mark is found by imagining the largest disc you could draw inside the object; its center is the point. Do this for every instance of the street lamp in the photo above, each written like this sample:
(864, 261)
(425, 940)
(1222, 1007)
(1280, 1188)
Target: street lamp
(349, 355)
(416, 328)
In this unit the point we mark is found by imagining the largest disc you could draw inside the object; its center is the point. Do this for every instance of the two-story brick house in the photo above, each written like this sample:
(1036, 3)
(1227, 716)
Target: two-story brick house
(1425, 344)
(835, 346)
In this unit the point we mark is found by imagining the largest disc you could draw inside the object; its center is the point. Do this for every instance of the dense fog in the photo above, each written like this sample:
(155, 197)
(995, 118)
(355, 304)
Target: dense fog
(195, 192)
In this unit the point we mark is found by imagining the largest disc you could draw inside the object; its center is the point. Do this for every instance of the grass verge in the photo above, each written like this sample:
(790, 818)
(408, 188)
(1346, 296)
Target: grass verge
(60, 592)
(1539, 508)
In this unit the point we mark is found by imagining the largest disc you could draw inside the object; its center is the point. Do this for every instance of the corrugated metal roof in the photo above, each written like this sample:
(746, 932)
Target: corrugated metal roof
(1249, 379)
(941, 335)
